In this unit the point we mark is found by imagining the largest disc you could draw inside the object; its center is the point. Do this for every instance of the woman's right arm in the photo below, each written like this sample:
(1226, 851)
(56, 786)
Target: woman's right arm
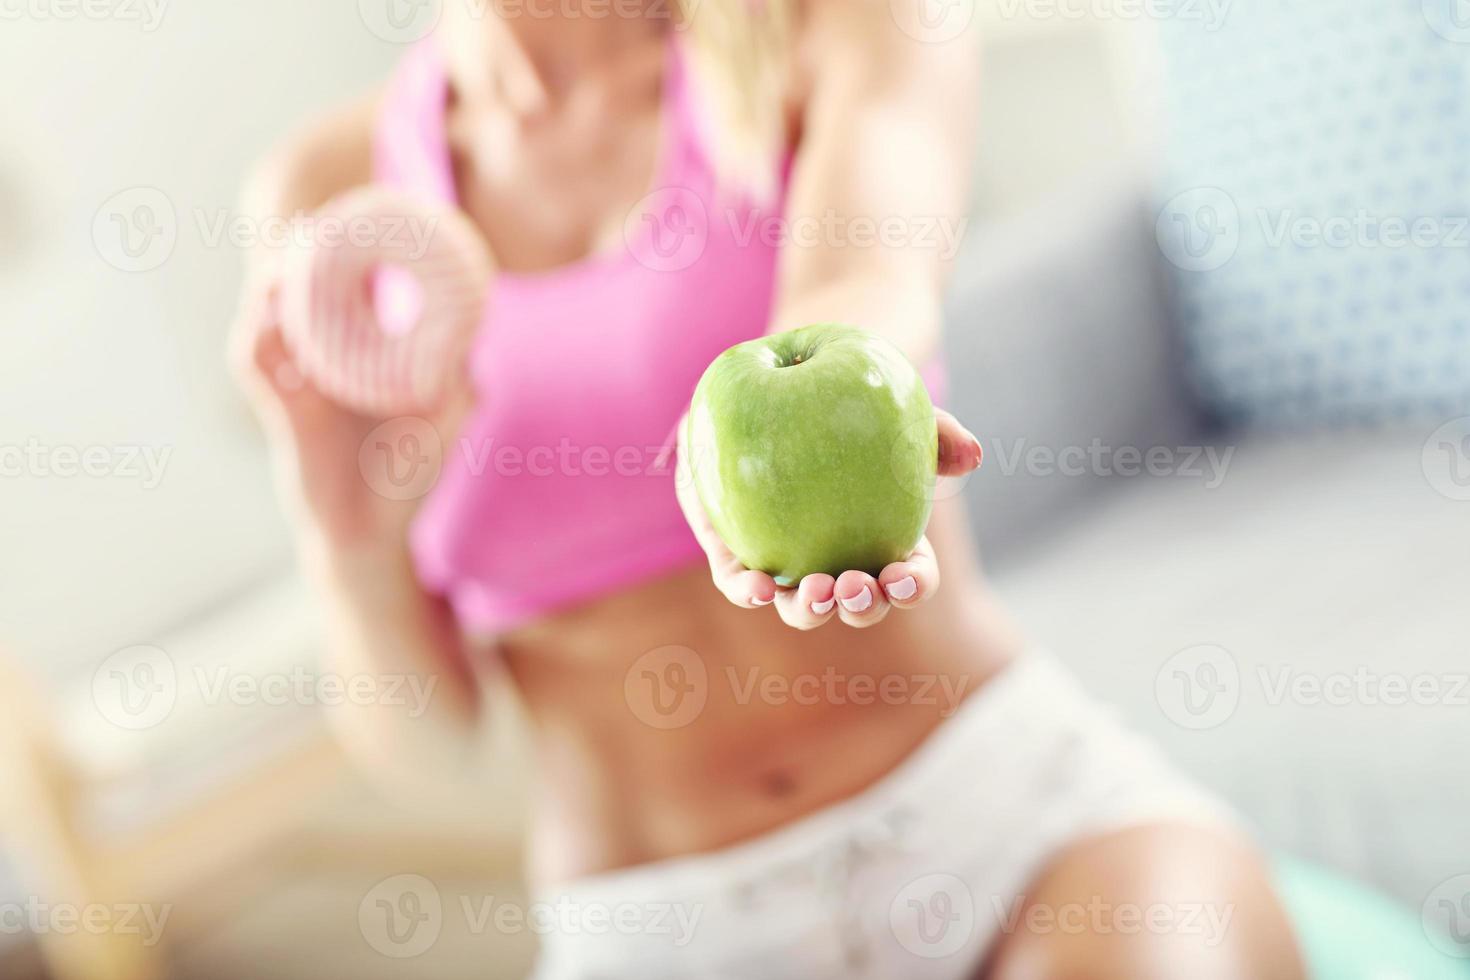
(385, 633)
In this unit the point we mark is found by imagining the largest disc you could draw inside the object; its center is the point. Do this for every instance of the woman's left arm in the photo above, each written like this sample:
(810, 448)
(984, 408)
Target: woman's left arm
(875, 212)
(881, 175)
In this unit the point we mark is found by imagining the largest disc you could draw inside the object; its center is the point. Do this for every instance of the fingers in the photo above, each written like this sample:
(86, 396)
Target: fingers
(860, 600)
(742, 586)
(959, 450)
(274, 367)
(856, 597)
(256, 315)
(908, 583)
(810, 604)
(259, 356)
(287, 404)
(259, 360)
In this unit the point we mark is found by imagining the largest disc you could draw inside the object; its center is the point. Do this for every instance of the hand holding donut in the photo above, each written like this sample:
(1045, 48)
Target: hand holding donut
(330, 377)
(366, 251)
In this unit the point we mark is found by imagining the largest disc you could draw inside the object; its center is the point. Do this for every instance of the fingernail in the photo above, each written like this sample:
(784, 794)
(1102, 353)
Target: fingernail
(757, 600)
(823, 608)
(860, 602)
(904, 588)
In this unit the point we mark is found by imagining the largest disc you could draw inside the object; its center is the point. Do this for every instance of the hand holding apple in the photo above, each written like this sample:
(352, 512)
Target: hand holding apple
(807, 465)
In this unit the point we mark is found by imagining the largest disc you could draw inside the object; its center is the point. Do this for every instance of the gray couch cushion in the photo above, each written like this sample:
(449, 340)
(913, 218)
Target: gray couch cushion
(1313, 562)
(1058, 336)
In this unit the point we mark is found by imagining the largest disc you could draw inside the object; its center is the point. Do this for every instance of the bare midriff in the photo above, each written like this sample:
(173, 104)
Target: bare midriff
(667, 721)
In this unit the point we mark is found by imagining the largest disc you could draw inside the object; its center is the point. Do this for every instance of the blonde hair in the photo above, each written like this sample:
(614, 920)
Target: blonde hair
(740, 57)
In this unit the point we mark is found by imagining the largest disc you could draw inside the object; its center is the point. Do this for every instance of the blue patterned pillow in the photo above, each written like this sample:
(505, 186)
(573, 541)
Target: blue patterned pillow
(1315, 206)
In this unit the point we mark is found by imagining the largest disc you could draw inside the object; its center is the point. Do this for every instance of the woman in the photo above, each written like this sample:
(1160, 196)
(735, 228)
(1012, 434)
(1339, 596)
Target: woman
(904, 792)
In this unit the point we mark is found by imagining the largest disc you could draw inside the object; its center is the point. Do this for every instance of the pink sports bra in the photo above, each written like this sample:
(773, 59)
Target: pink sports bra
(551, 495)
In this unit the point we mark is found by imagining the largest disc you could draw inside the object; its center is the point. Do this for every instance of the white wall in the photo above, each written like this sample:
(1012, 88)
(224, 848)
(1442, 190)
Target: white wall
(94, 356)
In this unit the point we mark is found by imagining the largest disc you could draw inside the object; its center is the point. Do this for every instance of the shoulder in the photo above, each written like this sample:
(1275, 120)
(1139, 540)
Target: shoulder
(886, 42)
(330, 154)
(899, 30)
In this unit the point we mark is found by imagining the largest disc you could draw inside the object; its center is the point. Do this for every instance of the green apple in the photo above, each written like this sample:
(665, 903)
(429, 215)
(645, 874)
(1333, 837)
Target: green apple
(814, 451)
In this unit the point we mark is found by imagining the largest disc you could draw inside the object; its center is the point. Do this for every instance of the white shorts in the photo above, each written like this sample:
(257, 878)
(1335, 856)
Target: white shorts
(916, 876)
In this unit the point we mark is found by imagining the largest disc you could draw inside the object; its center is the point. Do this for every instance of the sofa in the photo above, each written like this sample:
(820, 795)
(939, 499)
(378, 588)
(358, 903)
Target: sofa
(1284, 612)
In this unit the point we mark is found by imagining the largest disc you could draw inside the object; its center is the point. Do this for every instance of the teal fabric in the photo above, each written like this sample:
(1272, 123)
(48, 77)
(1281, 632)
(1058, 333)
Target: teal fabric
(1315, 205)
(1349, 932)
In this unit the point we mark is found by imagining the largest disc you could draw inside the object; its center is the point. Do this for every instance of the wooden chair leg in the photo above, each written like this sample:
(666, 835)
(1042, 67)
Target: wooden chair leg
(71, 878)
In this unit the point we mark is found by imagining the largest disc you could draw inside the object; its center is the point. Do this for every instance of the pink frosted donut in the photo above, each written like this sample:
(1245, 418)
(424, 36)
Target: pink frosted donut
(338, 314)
